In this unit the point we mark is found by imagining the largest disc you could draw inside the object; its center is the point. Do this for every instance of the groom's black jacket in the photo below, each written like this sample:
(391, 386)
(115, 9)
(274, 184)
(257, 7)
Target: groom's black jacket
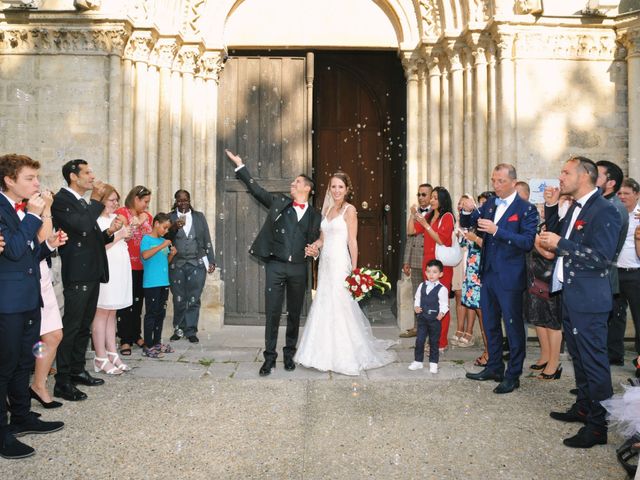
(282, 236)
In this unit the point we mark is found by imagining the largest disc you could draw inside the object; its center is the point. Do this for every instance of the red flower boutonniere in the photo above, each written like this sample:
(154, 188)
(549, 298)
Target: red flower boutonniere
(579, 225)
(513, 218)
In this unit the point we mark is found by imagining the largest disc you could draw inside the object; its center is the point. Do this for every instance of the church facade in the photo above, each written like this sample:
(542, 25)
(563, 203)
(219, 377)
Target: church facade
(395, 92)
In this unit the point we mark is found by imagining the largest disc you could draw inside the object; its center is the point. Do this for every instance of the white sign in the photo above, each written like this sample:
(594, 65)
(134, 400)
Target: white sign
(537, 186)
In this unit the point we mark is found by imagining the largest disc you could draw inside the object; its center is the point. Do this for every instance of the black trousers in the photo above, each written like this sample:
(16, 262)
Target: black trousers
(428, 325)
(80, 301)
(130, 318)
(630, 294)
(617, 324)
(155, 299)
(585, 335)
(283, 277)
(18, 333)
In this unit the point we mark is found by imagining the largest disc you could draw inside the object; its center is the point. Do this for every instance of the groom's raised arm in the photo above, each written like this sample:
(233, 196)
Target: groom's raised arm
(244, 176)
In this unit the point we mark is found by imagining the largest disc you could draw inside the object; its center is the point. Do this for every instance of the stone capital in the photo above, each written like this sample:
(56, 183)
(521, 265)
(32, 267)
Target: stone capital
(410, 61)
(504, 45)
(453, 52)
(479, 44)
(187, 59)
(164, 51)
(140, 46)
(630, 40)
(211, 64)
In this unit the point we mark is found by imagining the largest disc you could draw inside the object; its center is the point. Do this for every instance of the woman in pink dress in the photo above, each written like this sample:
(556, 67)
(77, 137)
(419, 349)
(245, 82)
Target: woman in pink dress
(135, 214)
(51, 323)
(437, 228)
(114, 295)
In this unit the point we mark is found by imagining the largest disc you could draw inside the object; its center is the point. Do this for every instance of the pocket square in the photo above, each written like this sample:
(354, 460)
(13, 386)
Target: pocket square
(513, 218)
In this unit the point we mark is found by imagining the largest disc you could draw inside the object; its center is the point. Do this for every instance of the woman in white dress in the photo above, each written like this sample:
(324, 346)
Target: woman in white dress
(337, 336)
(115, 294)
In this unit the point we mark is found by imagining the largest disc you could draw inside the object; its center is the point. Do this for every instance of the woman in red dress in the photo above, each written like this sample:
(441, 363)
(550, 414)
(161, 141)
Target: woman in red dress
(437, 228)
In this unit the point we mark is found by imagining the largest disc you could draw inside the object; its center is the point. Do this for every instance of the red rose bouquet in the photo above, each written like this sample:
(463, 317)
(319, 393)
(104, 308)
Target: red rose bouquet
(363, 281)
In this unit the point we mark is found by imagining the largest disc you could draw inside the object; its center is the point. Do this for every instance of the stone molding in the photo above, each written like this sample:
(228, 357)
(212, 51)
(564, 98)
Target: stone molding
(164, 52)
(568, 45)
(430, 19)
(630, 41)
(36, 40)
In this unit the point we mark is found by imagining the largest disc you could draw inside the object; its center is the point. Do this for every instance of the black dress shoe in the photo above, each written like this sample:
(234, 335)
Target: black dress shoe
(484, 375)
(289, 365)
(12, 449)
(175, 337)
(573, 391)
(68, 391)
(85, 379)
(508, 385)
(193, 339)
(51, 404)
(574, 414)
(618, 362)
(586, 438)
(33, 424)
(267, 367)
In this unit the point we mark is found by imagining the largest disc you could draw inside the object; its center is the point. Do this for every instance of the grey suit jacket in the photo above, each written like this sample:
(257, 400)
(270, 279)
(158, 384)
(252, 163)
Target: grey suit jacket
(203, 237)
(624, 216)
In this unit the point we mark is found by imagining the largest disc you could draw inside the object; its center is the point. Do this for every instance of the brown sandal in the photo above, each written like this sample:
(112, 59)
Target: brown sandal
(479, 361)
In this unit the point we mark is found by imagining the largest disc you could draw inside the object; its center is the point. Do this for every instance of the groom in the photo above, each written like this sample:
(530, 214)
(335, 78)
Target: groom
(289, 228)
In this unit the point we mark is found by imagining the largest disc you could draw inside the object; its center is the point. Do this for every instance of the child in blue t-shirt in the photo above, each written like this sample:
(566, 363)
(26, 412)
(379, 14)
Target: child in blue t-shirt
(156, 253)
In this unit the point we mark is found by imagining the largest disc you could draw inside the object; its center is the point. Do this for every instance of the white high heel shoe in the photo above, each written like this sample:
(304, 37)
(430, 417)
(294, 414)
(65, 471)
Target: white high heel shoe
(115, 359)
(103, 362)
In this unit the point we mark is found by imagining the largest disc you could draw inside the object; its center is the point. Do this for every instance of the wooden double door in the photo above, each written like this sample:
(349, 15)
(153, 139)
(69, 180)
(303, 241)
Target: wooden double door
(314, 113)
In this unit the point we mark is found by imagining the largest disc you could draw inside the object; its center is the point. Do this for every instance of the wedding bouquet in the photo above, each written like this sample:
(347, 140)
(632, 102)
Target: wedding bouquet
(363, 281)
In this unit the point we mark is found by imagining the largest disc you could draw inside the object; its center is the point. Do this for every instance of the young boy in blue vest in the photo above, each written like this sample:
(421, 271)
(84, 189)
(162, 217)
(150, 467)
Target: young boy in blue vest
(431, 304)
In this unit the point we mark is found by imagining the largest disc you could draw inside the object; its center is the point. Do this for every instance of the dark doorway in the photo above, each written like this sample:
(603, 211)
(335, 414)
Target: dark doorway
(359, 128)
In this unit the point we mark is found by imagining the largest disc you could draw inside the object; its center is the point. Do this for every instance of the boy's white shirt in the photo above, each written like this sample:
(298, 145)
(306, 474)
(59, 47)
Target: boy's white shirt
(443, 296)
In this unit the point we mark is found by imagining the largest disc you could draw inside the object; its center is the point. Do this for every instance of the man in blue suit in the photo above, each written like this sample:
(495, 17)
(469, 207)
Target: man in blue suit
(20, 299)
(585, 244)
(509, 225)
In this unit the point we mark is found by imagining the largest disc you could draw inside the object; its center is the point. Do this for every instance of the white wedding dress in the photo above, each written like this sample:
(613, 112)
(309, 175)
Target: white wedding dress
(337, 335)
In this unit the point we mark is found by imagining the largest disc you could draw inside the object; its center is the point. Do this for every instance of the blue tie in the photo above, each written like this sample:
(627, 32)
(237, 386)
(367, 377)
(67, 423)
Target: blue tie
(500, 201)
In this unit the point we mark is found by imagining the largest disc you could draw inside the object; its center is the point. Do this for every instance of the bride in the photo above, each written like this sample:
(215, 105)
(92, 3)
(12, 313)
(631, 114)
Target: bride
(337, 335)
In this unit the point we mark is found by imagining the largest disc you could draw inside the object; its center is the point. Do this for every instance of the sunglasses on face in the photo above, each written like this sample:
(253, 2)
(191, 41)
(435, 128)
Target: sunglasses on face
(422, 195)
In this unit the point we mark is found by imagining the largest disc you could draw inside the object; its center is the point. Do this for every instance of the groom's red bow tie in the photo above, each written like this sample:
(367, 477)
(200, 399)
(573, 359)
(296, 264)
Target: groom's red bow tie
(20, 206)
(300, 205)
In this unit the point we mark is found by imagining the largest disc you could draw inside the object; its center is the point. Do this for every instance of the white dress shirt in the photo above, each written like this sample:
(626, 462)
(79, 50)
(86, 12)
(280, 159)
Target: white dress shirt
(628, 257)
(443, 296)
(500, 209)
(558, 274)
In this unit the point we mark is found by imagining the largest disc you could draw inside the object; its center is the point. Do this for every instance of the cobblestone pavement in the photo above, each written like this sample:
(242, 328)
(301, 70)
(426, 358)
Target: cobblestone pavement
(204, 413)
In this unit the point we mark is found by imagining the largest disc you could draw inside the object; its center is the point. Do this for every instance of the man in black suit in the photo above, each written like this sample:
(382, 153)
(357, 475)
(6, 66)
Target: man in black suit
(20, 299)
(585, 243)
(189, 267)
(84, 267)
(292, 225)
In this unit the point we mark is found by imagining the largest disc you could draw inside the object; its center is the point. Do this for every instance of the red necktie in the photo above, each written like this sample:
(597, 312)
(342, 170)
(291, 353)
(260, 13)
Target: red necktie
(301, 205)
(20, 206)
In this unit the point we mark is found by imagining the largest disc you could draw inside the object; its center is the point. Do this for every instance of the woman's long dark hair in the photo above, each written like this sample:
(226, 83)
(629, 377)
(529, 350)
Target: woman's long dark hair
(444, 202)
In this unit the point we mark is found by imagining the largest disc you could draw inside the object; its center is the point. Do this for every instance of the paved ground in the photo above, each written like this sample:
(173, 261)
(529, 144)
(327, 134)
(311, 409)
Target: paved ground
(204, 413)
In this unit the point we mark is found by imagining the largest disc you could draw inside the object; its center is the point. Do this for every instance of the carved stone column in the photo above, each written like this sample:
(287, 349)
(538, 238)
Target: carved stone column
(481, 110)
(126, 164)
(211, 65)
(118, 42)
(492, 112)
(506, 99)
(631, 41)
(422, 124)
(469, 157)
(166, 49)
(153, 110)
(456, 97)
(176, 121)
(410, 63)
(139, 48)
(433, 175)
(445, 127)
(187, 63)
(199, 141)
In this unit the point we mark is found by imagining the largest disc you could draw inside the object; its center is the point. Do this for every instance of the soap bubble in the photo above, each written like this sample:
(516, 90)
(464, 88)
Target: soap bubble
(39, 349)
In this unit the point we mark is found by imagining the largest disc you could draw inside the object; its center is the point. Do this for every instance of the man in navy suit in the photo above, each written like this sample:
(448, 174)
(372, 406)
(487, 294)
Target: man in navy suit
(509, 224)
(20, 299)
(585, 243)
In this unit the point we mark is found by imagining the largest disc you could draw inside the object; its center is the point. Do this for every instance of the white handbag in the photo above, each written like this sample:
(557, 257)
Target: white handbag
(449, 256)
